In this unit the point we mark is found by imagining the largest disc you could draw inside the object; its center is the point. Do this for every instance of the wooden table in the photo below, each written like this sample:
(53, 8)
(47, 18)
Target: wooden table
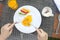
(55, 26)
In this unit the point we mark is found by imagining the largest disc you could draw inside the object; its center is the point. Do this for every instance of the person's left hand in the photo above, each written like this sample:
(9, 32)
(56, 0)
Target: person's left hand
(6, 30)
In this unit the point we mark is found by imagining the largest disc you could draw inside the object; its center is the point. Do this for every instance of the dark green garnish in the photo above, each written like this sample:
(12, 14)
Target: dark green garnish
(21, 13)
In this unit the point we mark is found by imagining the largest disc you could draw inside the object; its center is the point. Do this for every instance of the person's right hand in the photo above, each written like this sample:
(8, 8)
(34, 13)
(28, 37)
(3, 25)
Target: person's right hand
(6, 30)
(42, 35)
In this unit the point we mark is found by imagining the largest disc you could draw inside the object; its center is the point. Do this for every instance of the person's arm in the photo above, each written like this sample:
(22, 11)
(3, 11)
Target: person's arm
(6, 31)
(42, 35)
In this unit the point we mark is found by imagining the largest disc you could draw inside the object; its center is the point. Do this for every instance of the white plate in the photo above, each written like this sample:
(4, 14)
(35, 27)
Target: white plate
(36, 19)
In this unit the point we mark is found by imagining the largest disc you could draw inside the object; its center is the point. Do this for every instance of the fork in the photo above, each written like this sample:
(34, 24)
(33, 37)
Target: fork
(29, 24)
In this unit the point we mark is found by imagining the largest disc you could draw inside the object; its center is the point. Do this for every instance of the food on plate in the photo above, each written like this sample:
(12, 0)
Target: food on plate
(25, 11)
(27, 20)
(21, 13)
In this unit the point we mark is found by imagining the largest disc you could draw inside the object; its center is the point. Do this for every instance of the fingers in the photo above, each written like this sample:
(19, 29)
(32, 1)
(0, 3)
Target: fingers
(38, 37)
(7, 25)
(43, 32)
(10, 31)
(39, 31)
(11, 26)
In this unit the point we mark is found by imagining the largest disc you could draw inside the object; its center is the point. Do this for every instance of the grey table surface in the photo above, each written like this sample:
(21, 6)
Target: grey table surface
(47, 23)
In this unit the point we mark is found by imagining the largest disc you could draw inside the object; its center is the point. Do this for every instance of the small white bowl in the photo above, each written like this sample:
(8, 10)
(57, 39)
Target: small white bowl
(47, 12)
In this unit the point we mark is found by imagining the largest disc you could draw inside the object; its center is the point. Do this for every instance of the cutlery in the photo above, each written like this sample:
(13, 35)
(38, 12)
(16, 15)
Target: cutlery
(30, 24)
(34, 26)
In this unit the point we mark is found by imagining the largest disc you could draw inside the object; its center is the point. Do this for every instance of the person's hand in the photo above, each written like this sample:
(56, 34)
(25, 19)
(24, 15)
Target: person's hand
(42, 35)
(6, 30)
